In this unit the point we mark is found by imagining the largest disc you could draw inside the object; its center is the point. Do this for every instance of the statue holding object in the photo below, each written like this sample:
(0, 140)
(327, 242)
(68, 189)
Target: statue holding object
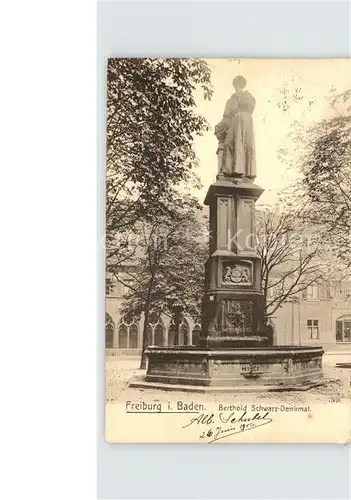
(235, 134)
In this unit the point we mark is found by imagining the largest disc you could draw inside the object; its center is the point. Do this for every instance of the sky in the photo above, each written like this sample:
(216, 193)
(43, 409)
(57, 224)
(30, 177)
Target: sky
(286, 91)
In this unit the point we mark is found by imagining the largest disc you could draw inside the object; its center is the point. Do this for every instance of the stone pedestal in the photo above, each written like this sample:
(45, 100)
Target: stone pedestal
(233, 304)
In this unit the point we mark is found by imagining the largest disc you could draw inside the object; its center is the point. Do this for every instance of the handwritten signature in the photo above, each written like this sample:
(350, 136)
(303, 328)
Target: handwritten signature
(215, 427)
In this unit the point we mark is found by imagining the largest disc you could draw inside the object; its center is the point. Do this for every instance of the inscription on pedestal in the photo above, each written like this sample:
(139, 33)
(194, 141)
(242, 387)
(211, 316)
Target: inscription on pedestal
(250, 369)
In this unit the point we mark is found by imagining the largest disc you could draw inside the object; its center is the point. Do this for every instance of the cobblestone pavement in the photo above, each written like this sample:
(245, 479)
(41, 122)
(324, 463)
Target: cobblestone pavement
(121, 369)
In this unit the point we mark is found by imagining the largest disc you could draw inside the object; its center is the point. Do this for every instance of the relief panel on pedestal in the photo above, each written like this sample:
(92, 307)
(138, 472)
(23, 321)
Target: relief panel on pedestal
(239, 273)
(228, 317)
(236, 317)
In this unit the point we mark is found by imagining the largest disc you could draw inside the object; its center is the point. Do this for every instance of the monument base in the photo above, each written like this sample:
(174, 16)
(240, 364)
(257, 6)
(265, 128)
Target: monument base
(231, 342)
(192, 368)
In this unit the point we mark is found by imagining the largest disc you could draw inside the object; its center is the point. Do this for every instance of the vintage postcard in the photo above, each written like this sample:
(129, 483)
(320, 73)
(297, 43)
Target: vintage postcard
(228, 258)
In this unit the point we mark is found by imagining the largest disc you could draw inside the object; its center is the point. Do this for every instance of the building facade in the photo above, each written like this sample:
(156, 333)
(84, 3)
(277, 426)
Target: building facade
(318, 315)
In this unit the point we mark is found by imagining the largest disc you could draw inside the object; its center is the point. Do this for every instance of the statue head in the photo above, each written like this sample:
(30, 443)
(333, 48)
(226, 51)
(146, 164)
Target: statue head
(239, 83)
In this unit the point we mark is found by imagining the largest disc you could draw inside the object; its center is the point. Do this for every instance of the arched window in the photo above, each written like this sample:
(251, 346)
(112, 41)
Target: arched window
(155, 330)
(123, 336)
(133, 336)
(128, 332)
(109, 331)
(343, 329)
(170, 334)
(158, 336)
(196, 332)
(183, 333)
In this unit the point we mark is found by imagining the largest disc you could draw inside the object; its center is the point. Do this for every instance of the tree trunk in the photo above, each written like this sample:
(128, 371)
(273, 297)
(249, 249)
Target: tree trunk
(145, 338)
(146, 322)
(177, 321)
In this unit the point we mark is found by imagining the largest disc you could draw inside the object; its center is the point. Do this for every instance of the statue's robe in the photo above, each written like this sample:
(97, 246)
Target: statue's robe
(235, 132)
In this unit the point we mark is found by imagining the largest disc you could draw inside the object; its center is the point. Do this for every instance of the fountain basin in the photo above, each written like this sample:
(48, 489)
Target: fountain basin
(192, 368)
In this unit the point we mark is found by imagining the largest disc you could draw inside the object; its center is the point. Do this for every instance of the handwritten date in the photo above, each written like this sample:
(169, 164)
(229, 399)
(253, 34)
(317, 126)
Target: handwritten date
(224, 425)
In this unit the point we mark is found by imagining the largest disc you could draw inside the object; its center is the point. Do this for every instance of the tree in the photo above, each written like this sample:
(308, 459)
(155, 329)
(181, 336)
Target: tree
(183, 272)
(168, 275)
(291, 254)
(151, 126)
(325, 187)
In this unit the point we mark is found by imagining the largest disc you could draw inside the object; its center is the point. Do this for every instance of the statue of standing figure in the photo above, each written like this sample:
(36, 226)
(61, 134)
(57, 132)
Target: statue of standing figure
(236, 150)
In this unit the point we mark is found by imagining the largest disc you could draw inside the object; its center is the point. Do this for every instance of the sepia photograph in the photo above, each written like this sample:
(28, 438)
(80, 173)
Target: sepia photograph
(228, 251)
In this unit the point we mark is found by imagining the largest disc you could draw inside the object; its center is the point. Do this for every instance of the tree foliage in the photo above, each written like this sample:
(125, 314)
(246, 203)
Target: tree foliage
(151, 126)
(168, 275)
(325, 188)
